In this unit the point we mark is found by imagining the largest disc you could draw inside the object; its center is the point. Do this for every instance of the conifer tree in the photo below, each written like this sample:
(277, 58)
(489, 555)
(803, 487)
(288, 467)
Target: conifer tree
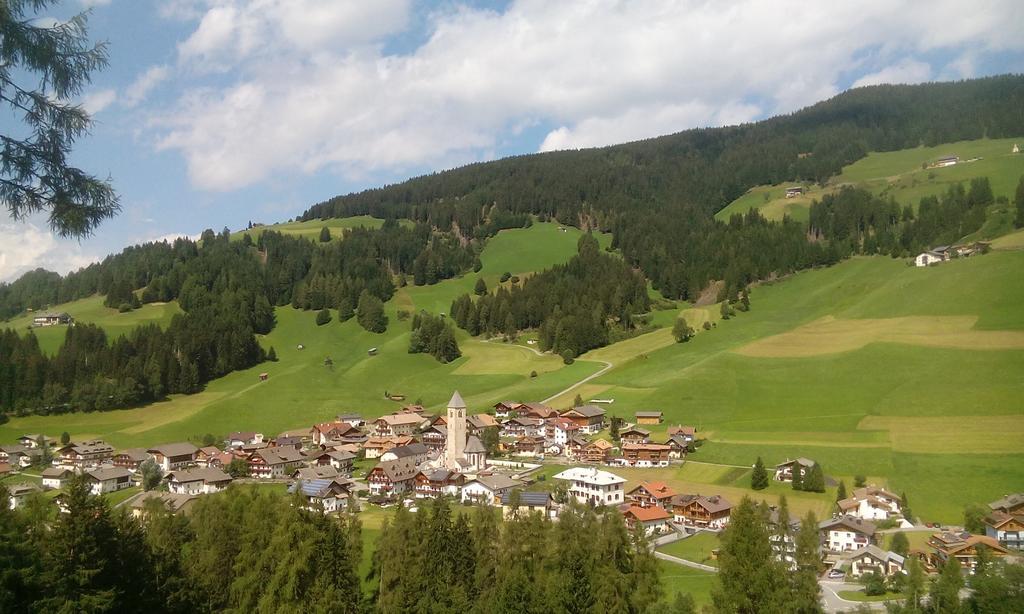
(915, 586)
(750, 580)
(907, 513)
(480, 288)
(815, 479)
(900, 545)
(806, 590)
(323, 316)
(1019, 201)
(272, 354)
(841, 491)
(798, 476)
(944, 595)
(759, 476)
(325, 235)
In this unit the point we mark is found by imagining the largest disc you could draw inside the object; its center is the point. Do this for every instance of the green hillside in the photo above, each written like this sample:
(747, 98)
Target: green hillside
(91, 310)
(311, 229)
(899, 174)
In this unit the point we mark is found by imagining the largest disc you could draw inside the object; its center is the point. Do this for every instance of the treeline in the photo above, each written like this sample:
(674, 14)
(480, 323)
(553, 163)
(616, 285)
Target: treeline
(433, 335)
(575, 306)
(256, 551)
(857, 221)
(657, 196)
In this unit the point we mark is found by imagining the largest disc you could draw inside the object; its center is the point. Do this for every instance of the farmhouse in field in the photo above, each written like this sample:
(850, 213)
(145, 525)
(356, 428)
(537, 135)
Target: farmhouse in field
(784, 471)
(949, 160)
(688, 433)
(592, 485)
(648, 417)
(52, 319)
(697, 512)
(794, 191)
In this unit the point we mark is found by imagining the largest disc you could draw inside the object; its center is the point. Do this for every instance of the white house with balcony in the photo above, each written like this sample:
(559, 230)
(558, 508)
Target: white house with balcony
(592, 485)
(846, 533)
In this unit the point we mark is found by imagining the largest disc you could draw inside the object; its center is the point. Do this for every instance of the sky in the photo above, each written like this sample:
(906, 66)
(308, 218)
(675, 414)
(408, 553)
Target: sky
(214, 113)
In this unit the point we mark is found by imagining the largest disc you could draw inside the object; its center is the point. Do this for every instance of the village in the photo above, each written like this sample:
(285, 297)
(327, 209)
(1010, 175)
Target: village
(495, 458)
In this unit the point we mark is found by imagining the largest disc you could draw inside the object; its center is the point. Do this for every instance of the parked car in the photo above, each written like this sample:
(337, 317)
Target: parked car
(836, 574)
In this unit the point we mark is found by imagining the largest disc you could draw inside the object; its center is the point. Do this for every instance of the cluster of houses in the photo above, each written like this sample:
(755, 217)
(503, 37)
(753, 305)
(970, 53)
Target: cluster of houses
(945, 253)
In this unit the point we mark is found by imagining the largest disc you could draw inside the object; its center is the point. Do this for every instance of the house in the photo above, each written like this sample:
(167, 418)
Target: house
(19, 455)
(354, 419)
(376, 446)
(949, 160)
(784, 471)
(963, 546)
(872, 559)
(32, 440)
(479, 422)
(389, 478)
(697, 512)
(649, 417)
(559, 430)
(488, 489)
(783, 543)
(108, 479)
(522, 426)
(529, 503)
(528, 446)
(173, 456)
(269, 463)
(871, 503)
(536, 410)
(330, 431)
(794, 191)
(596, 451)
(85, 454)
(316, 472)
(645, 454)
(415, 451)
(434, 437)
(397, 424)
(650, 494)
(203, 481)
(505, 409)
(846, 533)
(56, 477)
(52, 319)
(653, 520)
(243, 438)
(1007, 529)
(594, 486)
(688, 433)
(131, 458)
(326, 496)
(18, 493)
(678, 446)
(1010, 504)
(574, 447)
(206, 454)
(172, 502)
(635, 434)
(929, 258)
(434, 483)
(340, 460)
(590, 418)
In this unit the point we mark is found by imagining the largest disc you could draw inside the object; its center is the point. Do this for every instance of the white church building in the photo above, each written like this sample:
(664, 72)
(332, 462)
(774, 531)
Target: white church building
(463, 453)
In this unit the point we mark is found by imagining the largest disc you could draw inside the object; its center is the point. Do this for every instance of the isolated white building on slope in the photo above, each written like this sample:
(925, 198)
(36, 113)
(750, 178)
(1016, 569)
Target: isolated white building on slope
(592, 485)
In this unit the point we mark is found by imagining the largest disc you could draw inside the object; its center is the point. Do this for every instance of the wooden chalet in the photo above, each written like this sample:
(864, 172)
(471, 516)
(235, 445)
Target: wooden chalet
(435, 437)
(590, 418)
(391, 478)
(529, 446)
(173, 456)
(536, 410)
(635, 434)
(649, 494)
(654, 520)
(434, 483)
(85, 454)
(649, 417)
(784, 470)
(962, 546)
(397, 424)
(271, 463)
(645, 454)
(130, 459)
(506, 409)
(697, 512)
(596, 451)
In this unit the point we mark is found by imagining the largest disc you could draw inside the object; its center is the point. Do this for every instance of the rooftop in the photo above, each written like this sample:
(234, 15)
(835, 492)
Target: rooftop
(590, 475)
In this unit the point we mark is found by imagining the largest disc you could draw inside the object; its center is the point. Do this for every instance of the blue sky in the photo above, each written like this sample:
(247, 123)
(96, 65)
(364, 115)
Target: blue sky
(216, 112)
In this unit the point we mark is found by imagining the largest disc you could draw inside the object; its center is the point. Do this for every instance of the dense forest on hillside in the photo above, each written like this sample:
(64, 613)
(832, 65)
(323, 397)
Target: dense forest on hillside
(574, 306)
(657, 196)
(227, 290)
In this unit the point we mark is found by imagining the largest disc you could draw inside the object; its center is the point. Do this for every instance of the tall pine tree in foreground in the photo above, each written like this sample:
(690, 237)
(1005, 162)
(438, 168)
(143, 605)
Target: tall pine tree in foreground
(750, 579)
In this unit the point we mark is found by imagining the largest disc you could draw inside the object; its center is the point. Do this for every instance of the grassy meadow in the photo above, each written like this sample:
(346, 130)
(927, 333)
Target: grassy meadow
(899, 174)
(311, 229)
(91, 310)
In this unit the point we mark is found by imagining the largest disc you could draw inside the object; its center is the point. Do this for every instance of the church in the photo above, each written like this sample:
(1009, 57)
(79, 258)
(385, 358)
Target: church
(463, 453)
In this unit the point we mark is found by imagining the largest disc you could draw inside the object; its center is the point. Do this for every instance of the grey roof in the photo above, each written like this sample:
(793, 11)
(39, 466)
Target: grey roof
(109, 473)
(172, 501)
(136, 454)
(439, 475)
(275, 456)
(1007, 502)
(806, 462)
(174, 449)
(204, 474)
(474, 446)
(398, 470)
(242, 435)
(317, 488)
(315, 473)
(589, 411)
(341, 455)
(854, 524)
(876, 552)
(409, 450)
(497, 481)
(456, 401)
(55, 472)
(527, 498)
(635, 429)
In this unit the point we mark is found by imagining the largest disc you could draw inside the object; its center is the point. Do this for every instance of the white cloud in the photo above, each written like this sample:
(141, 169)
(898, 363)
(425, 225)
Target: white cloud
(137, 91)
(95, 102)
(309, 86)
(25, 246)
(91, 3)
(907, 70)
